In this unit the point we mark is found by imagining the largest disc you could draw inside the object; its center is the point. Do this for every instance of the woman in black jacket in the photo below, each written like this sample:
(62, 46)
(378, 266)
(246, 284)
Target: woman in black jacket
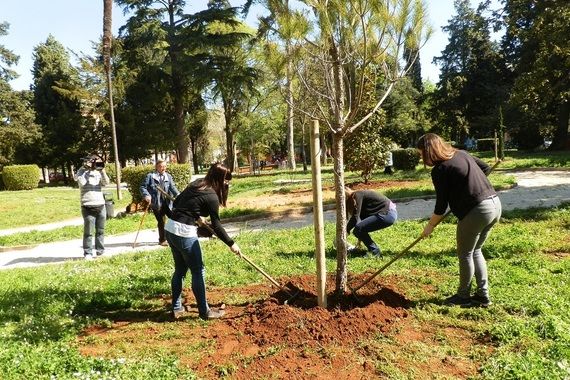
(369, 211)
(461, 183)
(202, 198)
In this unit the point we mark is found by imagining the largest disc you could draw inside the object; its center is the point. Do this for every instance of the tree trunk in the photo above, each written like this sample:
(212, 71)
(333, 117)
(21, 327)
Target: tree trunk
(304, 151)
(194, 158)
(230, 153)
(341, 246)
(107, 37)
(560, 139)
(291, 164)
(182, 138)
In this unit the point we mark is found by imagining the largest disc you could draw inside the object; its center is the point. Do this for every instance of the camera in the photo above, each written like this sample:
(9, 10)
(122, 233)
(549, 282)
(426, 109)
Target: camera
(92, 163)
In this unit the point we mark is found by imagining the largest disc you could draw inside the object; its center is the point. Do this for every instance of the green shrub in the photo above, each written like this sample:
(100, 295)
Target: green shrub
(484, 145)
(110, 170)
(405, 159)
(21, 177)
(133, 176)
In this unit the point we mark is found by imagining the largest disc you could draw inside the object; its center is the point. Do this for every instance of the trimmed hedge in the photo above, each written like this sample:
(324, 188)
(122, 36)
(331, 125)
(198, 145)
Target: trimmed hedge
(405, 159)
(133, 176)
(21, 177)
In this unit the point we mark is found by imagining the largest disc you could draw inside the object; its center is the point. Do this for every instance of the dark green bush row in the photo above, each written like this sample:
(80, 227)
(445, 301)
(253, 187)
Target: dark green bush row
(133, 176)
(21, 177)
(405, 159)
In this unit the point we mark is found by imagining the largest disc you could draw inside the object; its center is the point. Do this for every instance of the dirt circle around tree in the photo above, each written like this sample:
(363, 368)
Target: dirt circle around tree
(272, 335)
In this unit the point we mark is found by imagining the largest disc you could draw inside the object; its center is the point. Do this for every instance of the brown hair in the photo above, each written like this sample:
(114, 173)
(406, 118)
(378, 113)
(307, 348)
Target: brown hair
(217, 178)
(350, 201)
(434, 149)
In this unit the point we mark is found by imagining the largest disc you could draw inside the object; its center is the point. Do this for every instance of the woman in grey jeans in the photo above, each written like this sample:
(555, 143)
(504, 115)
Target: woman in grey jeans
(460, 182)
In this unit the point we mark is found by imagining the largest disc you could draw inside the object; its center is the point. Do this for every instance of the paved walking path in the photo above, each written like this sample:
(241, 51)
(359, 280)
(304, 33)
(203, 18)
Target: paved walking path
(535, 189)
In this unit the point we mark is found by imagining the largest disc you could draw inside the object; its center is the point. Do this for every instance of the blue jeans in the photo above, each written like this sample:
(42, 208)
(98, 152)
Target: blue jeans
(374, 223)
(93, 219)
(187, 254)
(472, 232)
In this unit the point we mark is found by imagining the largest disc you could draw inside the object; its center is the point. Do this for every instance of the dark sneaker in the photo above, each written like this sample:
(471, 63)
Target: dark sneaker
(100, 253)
(481, 301)
(214, 313)
(457, 300)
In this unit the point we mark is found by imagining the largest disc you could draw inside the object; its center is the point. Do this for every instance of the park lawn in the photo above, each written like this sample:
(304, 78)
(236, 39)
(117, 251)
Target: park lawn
(249, 195)
(46, 313)
(44, 205)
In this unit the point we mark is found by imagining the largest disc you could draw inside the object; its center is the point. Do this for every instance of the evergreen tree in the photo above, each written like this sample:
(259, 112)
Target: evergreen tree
(58, 111)
(538, 50)
(472, 75)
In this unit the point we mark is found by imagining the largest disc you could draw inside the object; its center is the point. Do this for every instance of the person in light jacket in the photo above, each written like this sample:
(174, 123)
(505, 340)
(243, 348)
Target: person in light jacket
(91, 179)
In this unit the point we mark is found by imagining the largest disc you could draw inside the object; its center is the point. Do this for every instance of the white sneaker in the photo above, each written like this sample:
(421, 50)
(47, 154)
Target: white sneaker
(88, 257)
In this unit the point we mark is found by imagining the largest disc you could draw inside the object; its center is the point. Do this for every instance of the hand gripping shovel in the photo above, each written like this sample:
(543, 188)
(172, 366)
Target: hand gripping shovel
(291, 293)
(404, 252)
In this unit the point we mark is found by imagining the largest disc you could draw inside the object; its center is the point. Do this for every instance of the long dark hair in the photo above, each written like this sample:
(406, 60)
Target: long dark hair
(217, 178)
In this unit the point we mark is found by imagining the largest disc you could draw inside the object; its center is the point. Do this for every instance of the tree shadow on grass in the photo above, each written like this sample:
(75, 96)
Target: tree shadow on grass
(44, 314)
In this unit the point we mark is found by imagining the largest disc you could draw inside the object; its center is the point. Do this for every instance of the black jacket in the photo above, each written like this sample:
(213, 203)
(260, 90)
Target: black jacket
(193, 203)
(461, 182)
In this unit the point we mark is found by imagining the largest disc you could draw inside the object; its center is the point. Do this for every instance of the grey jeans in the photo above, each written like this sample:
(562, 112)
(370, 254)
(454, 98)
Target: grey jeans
(93, 219)
(472, 231)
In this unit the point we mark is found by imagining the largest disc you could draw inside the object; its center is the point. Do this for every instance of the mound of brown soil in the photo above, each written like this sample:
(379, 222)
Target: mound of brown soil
(268, 338)
(301, 322)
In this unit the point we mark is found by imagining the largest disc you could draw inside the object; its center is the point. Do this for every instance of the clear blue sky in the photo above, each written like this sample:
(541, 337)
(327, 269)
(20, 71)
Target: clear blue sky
(76, 24)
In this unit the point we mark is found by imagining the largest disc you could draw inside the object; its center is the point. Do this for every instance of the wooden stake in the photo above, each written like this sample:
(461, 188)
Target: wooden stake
(318, 218)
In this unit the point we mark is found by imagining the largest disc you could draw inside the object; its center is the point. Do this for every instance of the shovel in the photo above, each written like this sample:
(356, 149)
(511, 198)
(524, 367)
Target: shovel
(201, 222)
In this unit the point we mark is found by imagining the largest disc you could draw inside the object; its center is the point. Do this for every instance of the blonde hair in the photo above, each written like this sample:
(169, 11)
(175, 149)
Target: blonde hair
(434, 149)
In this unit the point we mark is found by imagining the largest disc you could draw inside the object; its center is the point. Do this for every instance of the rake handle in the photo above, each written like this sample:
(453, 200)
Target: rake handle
(140, 225)
(371, 277)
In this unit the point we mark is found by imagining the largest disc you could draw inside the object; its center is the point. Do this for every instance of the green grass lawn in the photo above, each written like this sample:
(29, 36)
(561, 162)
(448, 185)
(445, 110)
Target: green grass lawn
(44, 205)
(525, 334)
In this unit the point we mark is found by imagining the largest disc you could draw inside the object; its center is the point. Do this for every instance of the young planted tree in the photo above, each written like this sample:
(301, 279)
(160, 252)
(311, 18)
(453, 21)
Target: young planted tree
(358, 42)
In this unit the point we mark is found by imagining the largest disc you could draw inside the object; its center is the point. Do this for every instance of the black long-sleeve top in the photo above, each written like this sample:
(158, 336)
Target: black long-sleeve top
(368, 203)
(193, 203)
(461, 182)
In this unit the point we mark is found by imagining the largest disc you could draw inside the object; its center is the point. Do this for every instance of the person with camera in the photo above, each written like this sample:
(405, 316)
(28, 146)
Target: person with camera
(157, 201)
(91, 178)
